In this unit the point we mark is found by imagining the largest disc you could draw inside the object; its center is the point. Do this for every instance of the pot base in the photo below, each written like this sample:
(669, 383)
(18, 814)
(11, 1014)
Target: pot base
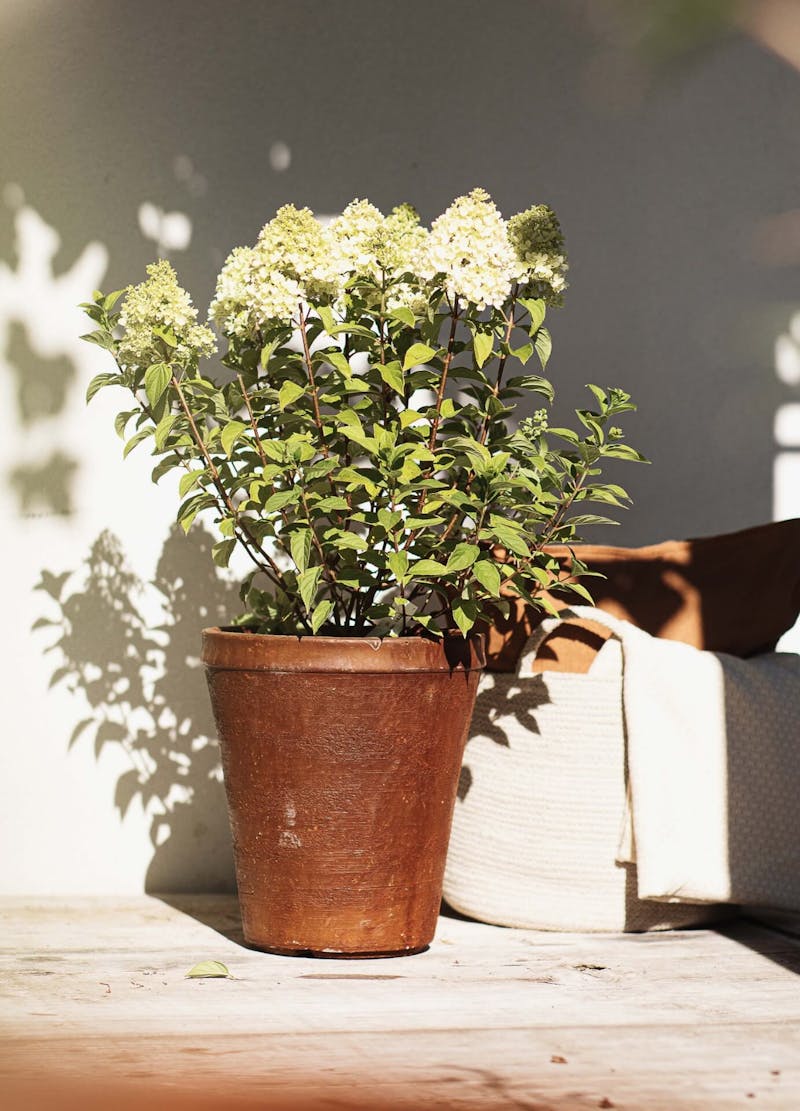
(338, 954)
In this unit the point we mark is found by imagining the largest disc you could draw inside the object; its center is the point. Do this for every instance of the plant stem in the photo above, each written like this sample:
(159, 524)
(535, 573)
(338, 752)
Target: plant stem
(443, 381)
(327, 570)
(510, 322)
(313, 384)
(246, 399)
(247, 540)
(437, 415)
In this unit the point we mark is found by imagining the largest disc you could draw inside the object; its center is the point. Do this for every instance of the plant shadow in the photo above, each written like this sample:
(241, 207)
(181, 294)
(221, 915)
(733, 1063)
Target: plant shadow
(131, 651)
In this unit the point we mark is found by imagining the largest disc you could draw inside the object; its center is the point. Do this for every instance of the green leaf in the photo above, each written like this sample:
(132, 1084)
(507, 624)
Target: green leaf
(338, 360)
(487, 575)
(327, 505)
(417, 354)
(101, 338)
(300, 545)
(392, 375)
(523, 353)
(544, 345)
(325, 313)
(167, 335)
(156, 379)
(389, 519)
(465, 614)
(189, 510)
(532, 382)
(111, 299)
(206, 970)
(165, 464)
(351, 330)
(142, 434)
(121, 422)
(580, 589)
(483, 344)
(590, 519)
(409, 416)
(99, 381)
(403, 315)
(536, 309)
(274, 449)
(623, 451)
(567, 434)
(462, 556)
(342, 540)
(163, 429)
(307, 584)
(289, 393)
(429, 623)
(230, 434)
(600, 395)
(398, 564)
(423, 522)
(510, 539)
(222, 551)
(322, 468)
(188, 482)
(280, 499)
(320, 614)
(266, 352)
(427, 568)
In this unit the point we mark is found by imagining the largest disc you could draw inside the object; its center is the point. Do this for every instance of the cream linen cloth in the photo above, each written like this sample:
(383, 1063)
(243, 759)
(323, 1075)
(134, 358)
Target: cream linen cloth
(713, 749)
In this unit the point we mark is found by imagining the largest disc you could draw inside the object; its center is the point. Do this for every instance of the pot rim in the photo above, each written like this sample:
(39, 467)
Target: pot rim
(231, 649)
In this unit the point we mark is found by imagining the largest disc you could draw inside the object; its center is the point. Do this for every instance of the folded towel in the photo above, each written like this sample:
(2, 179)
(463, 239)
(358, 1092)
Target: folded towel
(713, 747)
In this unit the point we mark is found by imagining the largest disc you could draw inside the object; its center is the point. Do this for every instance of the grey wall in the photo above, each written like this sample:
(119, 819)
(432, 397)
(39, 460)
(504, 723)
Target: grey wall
(663, 184)
(660, 196)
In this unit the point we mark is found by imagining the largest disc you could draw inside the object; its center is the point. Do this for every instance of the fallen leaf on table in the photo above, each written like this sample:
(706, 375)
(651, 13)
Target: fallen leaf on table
(207, 969)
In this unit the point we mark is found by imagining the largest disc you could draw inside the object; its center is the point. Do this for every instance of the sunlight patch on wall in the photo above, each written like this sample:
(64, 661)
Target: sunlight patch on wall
(786, 431)
(280, 157)
(41, 358)
(170, 231)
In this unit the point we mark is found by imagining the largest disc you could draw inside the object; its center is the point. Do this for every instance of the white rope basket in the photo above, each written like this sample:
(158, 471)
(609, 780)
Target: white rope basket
(542, 803)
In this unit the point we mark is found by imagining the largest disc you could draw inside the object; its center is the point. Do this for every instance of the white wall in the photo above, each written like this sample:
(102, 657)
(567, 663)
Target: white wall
(668, 192)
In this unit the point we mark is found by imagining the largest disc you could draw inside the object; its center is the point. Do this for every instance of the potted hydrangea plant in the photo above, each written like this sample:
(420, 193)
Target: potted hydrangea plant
(358, 446)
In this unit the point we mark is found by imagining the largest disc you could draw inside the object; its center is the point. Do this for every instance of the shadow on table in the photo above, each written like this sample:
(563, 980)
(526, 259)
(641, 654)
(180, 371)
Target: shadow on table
(219, 912)
(767, 937)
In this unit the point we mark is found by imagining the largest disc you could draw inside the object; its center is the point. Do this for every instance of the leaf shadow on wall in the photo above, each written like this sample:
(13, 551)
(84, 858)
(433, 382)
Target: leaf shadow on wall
(145, 691)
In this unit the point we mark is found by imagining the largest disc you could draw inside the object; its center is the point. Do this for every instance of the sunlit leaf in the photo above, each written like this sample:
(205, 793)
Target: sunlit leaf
(208, 970)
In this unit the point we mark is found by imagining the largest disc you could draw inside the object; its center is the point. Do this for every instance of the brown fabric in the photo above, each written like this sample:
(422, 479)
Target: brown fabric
(736, 593)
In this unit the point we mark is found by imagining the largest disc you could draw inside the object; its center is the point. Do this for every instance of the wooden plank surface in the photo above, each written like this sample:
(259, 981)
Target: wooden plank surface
(94, 990)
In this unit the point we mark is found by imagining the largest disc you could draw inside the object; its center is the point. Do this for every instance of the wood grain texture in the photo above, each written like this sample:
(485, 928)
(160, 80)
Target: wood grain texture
(95, 991)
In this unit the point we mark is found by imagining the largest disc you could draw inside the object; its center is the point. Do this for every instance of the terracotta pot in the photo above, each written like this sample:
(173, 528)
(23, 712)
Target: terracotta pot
(341, 760)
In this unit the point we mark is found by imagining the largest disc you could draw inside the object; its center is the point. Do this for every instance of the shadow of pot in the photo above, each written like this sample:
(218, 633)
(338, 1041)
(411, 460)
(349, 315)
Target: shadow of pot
(341, 759)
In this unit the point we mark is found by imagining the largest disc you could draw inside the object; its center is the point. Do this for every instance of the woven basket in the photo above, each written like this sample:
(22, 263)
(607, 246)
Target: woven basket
(541, 806)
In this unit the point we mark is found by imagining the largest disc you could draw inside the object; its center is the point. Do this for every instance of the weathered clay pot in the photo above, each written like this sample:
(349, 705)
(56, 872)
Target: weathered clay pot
(341, 760)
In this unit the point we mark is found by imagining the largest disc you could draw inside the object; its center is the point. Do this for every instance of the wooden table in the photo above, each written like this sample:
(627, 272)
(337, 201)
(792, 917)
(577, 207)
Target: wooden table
(95, 1001)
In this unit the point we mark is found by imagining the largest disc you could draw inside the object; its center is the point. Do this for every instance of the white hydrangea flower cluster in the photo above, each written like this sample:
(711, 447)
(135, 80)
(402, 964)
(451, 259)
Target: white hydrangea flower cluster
(296, 244)
(538, 243)
(369, 243)
(230, 309)
(470, 253)
(291, 264)
(468, 250)
(160, 303)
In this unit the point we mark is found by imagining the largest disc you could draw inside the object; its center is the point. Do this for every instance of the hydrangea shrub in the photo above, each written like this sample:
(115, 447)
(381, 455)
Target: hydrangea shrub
(359, 440)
